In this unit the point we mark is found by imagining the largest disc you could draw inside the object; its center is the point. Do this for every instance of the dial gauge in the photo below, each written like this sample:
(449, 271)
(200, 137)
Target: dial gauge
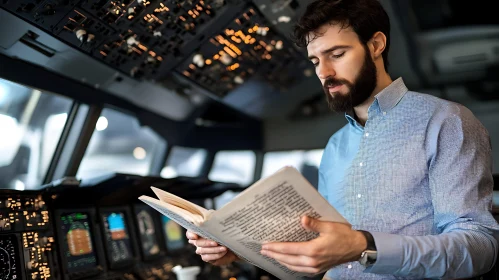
(10, 268)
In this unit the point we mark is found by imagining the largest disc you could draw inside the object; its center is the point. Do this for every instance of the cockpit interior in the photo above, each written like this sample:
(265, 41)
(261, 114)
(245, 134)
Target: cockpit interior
(102, 99)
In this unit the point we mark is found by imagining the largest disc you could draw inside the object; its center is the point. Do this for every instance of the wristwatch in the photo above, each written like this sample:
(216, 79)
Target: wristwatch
(368, 257)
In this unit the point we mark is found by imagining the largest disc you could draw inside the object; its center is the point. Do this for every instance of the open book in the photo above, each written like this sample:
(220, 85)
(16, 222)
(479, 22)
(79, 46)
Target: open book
(269, 210)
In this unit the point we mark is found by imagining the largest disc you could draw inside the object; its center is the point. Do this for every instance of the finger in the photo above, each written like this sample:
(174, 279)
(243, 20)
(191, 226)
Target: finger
(289, 248)
(204, 243)
(220, 261)
(212, 257)
(191, 235)
(314, 225)
(295, 260)
(210, 250)
(304, 269)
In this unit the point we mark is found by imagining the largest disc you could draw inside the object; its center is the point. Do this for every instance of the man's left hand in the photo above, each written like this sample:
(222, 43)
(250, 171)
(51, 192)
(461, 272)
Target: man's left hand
(337, 243)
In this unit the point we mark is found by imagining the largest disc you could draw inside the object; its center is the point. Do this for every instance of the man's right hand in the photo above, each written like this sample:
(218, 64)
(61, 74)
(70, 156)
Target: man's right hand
(210, 251)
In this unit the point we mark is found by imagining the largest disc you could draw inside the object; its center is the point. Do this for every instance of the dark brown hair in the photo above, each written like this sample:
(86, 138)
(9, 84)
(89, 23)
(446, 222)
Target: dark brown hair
(366, 17)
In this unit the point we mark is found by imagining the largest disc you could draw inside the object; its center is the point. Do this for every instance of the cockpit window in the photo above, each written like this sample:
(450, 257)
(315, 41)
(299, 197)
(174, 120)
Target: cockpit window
(184, 161)
(233, 167)
(120, 144)
(31, 123)
(307, 162)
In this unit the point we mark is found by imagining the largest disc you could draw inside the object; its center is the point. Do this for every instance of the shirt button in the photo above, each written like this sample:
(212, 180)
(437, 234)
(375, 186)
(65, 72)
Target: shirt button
(361, 164)
(384, 113)
(359, 195)
(349, 266)
(367, 134)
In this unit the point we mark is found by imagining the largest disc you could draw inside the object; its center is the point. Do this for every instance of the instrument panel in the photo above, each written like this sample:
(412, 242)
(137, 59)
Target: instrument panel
(27, 248)
(148, 232)
(10, 264)
(38, 241)
(117, 236)
(78, 246)
(74, 233)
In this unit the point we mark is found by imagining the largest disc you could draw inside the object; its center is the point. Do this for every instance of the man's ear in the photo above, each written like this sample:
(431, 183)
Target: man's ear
(377, 44)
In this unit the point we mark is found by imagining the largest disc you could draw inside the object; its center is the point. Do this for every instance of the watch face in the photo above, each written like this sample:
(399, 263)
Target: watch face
(368, 258)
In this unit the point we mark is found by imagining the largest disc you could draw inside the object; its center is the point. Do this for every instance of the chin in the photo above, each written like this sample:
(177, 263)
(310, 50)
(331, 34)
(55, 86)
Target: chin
(336, 93)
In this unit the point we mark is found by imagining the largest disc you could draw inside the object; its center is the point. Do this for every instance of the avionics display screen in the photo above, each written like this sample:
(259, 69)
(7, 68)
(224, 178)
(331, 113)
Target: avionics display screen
(77, 245)
(10, 264)
(174, 234)
(117, 237)
(148, 235)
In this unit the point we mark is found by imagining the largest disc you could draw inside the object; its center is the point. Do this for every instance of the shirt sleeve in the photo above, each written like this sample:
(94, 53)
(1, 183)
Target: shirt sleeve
(322, 185)
(461, 187)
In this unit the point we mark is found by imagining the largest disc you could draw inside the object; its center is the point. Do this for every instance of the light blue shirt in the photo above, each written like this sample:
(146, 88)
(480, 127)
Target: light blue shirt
(418, 176)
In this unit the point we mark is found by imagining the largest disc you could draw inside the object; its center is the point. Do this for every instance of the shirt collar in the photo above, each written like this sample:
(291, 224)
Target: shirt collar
(390, 96)
(386, 99)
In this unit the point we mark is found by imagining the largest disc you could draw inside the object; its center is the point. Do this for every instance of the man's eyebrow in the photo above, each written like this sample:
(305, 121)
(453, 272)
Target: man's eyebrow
(331, 49)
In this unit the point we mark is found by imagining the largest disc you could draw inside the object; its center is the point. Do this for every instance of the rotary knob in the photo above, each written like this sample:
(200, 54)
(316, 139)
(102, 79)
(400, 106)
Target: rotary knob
(30, 265)
(43, 241)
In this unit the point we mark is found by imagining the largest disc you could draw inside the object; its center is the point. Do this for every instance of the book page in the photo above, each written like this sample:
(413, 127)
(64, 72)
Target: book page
(184, 218)
(271, 210)
(180, 202)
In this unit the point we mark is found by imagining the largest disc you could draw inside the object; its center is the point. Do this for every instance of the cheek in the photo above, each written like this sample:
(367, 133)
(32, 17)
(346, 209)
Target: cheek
(350, 69)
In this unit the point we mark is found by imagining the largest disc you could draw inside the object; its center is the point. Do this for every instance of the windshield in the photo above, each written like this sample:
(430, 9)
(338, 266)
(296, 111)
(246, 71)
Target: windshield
(31, 123)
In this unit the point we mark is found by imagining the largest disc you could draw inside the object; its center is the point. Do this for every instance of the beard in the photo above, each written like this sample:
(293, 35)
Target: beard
(359, 91)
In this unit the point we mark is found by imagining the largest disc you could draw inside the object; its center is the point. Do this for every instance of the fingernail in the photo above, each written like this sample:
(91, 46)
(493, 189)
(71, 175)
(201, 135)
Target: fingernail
(263, 252)
(222, 249)
(264, 247)
(213, 243)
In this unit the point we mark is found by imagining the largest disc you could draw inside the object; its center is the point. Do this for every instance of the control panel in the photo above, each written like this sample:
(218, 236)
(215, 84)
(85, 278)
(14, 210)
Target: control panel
(216, 44)
(10, 258)
(26, 238)
(141, 38)
(246, 47)
(76, 233)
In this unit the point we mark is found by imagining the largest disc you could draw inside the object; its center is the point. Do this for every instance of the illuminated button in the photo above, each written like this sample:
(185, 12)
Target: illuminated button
(361, 164)
(367, 134)
(359, 195)
(349, 266)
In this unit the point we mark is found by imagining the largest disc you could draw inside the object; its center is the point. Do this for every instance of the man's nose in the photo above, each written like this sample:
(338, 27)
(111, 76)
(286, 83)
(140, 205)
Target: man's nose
(325, 70)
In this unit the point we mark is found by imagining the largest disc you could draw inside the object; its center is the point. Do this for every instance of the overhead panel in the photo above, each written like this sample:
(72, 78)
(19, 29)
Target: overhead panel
(247, 47)
(140, 38)
(217, 47)
(44, 13)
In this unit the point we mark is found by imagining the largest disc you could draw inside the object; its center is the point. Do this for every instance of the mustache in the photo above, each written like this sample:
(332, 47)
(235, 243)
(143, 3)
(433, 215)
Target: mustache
(332, 83)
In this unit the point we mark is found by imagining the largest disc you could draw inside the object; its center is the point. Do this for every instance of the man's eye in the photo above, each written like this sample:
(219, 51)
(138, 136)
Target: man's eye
(339, 55)
(315, 63)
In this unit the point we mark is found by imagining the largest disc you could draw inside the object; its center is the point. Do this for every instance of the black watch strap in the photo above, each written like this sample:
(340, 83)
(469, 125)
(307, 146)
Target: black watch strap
(371, 245)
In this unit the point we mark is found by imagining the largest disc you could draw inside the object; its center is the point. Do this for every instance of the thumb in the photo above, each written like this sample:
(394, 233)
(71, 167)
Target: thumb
(313, 224)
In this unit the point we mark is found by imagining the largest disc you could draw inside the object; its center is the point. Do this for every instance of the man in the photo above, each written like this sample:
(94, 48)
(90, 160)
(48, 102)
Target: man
(410, 172)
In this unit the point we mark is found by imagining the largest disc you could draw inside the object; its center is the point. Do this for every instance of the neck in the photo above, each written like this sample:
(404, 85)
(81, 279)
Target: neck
(384, 80)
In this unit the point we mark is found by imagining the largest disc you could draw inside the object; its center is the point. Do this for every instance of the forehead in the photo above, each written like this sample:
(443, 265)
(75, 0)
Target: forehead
(330, 35)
